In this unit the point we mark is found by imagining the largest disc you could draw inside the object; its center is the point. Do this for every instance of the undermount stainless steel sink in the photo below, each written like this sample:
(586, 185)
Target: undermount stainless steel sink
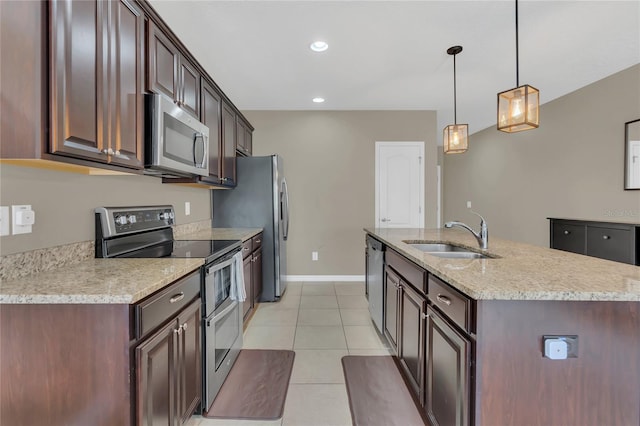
(458, 254)
(438, 247)
(448, 251)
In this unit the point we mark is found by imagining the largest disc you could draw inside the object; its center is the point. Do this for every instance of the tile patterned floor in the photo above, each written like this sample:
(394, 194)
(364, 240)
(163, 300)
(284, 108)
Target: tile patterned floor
(322, 322)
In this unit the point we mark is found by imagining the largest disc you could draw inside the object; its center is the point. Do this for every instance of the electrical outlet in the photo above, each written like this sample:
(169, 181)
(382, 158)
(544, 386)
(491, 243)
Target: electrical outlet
(187, 208)
(468, 204)
(314, 255)
(22, 218)
(5, 220)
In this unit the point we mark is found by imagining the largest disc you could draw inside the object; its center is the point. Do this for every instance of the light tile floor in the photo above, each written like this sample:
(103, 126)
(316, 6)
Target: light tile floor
(322, 322)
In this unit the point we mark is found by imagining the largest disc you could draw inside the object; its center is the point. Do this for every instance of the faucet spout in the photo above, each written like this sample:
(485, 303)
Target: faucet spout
(482, 236)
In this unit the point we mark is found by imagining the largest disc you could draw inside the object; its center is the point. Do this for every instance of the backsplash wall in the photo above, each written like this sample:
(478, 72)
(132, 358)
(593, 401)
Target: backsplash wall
(64, 202)
(571, 166)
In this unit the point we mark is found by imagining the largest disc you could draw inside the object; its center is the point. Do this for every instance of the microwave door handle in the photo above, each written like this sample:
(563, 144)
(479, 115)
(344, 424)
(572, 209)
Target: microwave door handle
(198, 163)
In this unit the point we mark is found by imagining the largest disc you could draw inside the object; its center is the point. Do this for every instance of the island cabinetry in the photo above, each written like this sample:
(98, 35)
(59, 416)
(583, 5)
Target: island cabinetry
(607, 240)
(392, 292)
(97, 50)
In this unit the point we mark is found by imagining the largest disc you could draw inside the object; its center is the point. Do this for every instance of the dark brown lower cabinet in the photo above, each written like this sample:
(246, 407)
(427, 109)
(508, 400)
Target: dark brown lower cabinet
(392, 295)
(410, 351)
(169, 371)
(447, 372)
(256, 275)
(247, 305)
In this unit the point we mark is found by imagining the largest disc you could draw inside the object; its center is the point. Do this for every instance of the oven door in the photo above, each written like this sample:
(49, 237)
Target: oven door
(223, 339)
(217, 284)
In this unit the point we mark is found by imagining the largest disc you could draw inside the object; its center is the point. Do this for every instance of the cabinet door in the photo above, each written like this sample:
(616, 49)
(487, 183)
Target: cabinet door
(156, 390)
(189, 362)
(210, 114)
(248, 141)
(163, 60)
(392, 292)
(229, 145)
(256, 274)
(248, 303)
(127, 59)
(240, 135)
(78, 48)
(411, 353)
(189, 87)
(446, 373)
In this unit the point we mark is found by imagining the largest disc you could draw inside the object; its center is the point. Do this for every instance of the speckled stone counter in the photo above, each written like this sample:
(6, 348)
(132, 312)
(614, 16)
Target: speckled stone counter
(97, 281)
(242, 234)
(522, 271)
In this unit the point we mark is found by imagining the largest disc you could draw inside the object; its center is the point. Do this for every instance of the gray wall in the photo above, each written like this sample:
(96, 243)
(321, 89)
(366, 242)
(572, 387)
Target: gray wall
(329, 164)
(64, 203)
(571, 166)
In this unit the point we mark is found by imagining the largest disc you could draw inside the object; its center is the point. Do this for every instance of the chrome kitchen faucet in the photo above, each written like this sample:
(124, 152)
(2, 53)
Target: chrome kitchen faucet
(482, 236)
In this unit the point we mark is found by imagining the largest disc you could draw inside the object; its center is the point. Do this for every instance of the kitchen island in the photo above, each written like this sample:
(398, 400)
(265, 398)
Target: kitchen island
(470, 333)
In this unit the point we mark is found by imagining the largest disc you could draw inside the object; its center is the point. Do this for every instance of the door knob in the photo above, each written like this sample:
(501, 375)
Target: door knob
(385, 220)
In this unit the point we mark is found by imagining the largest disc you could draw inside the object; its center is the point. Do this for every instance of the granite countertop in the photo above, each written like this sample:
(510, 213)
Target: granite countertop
(242, 234)
(97, 281)
(522, 271)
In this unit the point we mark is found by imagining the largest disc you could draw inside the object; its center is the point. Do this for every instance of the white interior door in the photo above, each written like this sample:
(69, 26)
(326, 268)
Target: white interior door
(399, 184)
(633, 167)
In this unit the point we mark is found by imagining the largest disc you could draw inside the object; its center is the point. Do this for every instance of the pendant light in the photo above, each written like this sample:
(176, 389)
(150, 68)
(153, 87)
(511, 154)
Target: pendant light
(518, 108)
(456, 136)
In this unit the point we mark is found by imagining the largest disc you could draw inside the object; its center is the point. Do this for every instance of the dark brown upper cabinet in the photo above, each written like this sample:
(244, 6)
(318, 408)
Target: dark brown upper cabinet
(96, 81)
(211, 116)
(228, 145)
(243, 137)
(171, 73)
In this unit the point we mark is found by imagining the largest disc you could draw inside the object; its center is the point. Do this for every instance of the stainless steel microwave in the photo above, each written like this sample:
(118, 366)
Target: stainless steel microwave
(176, 143)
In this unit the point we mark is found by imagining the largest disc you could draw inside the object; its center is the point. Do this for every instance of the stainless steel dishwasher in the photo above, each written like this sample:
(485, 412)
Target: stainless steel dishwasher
(375, 275)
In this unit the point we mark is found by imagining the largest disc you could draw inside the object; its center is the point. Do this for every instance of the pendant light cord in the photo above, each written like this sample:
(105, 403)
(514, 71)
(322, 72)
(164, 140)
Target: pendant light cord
(517, 51)
(455, 116)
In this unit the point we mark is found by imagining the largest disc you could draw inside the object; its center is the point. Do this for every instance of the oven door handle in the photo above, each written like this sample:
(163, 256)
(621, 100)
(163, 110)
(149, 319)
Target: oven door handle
(218, 316)
(218, 266)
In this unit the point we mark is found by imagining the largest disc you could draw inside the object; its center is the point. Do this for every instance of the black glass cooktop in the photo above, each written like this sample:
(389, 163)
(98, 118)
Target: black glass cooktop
(209, 250)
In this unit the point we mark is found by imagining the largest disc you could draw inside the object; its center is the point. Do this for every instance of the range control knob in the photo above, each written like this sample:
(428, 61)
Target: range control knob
(167, 215)
(120, 220)
(131, 218)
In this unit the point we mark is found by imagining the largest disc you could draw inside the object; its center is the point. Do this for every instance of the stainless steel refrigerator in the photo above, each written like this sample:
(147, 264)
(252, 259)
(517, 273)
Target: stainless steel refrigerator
(260, 200)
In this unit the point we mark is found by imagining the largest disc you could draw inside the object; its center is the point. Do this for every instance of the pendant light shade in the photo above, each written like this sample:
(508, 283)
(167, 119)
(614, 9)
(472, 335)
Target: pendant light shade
(518, 108)
(455, 136)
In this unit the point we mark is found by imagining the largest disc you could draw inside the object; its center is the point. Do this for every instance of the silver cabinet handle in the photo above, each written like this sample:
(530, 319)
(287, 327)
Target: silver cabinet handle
(424, 316)
(566, 232)
(117, 152)
(443, 299)
(258, 241)
(606, 237)
(246, 249)
(105, 151)
(184, 326)
(178, 297)
(178, 331)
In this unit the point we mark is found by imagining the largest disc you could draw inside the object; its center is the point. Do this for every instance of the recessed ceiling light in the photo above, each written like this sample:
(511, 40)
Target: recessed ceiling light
(319, 46)
(318, 100)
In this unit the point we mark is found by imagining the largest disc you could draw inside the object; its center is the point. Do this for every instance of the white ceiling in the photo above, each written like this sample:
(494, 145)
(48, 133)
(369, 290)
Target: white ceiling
(391, 55)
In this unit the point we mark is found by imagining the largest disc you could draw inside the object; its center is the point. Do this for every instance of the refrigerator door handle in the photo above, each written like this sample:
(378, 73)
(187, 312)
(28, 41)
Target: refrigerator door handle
(285, 193)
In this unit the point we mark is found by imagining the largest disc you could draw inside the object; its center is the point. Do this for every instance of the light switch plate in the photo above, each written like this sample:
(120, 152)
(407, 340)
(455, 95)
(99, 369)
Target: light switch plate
(20, 229)
(5, 219)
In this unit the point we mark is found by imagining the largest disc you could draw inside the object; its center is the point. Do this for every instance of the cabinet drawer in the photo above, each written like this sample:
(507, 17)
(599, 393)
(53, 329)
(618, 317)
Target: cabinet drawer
(450, 302)
(413, 274)
(257, 241)
(159, 307)
(568, 237)
(610, 243)
(247, 248)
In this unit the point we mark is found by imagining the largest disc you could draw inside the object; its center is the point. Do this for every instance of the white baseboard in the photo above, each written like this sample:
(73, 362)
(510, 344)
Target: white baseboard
(359, 278)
